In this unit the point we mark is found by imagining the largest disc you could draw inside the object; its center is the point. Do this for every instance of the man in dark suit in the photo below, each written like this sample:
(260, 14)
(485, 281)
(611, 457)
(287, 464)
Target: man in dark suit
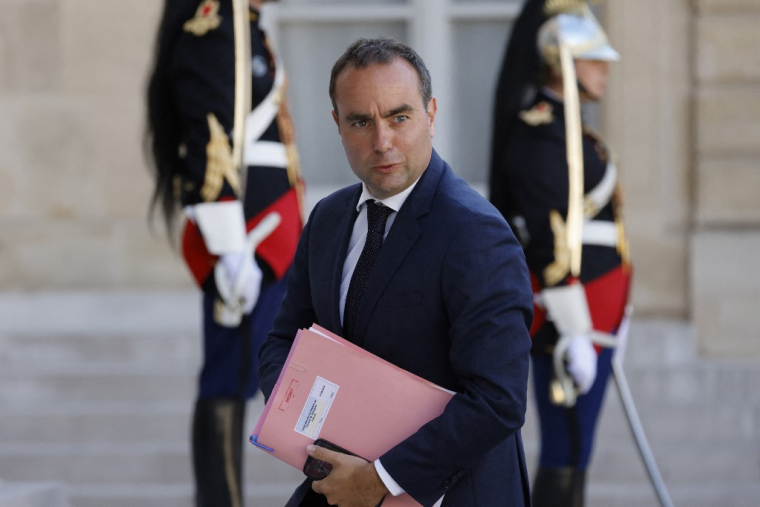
(416, 267)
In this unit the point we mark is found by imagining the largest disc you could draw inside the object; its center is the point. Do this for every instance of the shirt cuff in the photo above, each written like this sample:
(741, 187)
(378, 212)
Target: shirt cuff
(392, 485)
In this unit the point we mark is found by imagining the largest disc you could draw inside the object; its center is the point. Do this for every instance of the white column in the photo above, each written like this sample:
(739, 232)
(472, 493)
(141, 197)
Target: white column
(430, 35)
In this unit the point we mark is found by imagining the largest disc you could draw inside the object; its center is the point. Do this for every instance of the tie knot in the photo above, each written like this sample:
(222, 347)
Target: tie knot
(377, 216)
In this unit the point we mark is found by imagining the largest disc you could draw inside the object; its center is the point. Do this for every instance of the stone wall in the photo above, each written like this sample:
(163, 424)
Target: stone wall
(647, 118)
(725, 279)
(681, 114)
(73, 184)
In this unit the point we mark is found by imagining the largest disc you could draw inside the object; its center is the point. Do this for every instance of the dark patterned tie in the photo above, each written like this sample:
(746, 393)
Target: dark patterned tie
(377, 216)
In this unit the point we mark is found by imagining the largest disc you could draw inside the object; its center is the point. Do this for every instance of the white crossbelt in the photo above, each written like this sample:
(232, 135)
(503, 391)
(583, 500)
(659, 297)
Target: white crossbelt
(262, 116)
(600, 233)
(266, 153)
(601, 194)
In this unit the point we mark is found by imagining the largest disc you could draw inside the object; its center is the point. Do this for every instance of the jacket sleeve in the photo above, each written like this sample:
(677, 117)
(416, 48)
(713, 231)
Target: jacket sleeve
(488, 301)
(542, 189)
(203, 83)
(296, 312)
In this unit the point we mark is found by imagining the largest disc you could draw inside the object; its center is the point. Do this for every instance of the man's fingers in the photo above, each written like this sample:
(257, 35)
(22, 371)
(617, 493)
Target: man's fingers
(316, 486)
(322, 454)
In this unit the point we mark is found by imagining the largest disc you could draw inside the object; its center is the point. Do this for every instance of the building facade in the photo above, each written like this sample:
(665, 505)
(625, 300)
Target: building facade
(681, 115)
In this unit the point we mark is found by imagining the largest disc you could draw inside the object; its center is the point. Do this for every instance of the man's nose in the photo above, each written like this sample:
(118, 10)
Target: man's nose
(382, 138)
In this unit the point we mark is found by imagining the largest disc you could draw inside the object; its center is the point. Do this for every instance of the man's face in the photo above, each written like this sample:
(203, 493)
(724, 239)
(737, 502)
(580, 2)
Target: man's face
(385, 128)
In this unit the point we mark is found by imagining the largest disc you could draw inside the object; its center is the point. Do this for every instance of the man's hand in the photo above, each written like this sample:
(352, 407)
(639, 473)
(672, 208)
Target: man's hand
(353, 481)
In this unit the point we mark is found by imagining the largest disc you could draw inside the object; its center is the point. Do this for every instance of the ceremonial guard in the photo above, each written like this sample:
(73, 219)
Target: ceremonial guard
(555, 180)
(222, 144)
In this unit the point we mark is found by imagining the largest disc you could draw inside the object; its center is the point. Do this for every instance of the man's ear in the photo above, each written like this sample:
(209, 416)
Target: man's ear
(335, 119)
(432, 109)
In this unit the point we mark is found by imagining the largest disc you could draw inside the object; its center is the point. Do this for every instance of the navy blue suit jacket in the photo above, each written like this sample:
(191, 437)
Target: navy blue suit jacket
(449, 299)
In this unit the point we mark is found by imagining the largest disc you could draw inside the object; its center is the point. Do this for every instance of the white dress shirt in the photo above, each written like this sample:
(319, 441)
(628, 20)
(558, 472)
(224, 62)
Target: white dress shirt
(359, 234)
(355, 247)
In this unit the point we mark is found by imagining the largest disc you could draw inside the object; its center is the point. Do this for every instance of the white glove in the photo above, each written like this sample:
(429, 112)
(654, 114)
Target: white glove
(241, 283)
(581, 362)
(238, 277)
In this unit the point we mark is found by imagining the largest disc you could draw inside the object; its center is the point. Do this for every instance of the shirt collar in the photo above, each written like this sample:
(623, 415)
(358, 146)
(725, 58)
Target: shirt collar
(394, 202)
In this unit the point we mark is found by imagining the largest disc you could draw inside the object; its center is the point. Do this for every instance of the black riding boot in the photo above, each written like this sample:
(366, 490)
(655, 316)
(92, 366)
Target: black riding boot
(217, 452)
(559, 487)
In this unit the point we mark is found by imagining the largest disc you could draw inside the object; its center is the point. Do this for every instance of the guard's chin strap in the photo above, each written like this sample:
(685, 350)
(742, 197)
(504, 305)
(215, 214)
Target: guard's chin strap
(582, 89)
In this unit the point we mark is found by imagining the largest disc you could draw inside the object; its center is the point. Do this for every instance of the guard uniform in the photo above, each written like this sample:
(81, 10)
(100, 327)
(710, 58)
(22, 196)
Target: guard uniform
(205, 77)
(530, 185)
(536, 157)
(195, 70)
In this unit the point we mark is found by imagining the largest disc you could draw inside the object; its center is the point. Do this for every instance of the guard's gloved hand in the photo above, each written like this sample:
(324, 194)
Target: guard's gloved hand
(241, 280)
(580, 358)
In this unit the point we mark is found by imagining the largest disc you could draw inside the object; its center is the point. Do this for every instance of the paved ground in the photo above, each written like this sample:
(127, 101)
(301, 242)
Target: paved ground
(96, 390)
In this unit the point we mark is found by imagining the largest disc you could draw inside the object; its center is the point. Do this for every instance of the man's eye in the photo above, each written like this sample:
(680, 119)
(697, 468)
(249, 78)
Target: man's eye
(360, 123)
(400, 118)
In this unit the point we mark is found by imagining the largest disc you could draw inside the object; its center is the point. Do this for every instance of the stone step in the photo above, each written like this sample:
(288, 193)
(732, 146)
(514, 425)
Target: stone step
(145, 325)
(87, 421)
(144, 338)
(698, 384)
(133, 462)
(99, 312)
(169, 462)
(705, 464)
(28, 350)
(660, 343)
(95, 383)
(97, 422)
(172, 495)
(638, 494)
(619, 494)
(271, 489)
(32, 494)
(107, 421)
(666, 421)
(706, 381)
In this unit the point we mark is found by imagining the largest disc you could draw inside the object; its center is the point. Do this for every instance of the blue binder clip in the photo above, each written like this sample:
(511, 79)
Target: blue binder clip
(254, 440)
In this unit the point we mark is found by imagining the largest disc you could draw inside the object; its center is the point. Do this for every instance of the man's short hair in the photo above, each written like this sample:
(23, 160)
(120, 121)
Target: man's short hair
(383, 50)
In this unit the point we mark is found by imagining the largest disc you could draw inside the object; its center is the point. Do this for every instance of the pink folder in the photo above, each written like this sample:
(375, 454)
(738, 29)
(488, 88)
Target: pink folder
(333, 389)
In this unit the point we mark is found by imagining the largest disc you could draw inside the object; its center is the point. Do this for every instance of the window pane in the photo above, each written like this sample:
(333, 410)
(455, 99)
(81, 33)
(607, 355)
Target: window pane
(488, 1)
(478, 52)
(309, 51)
(332, 2)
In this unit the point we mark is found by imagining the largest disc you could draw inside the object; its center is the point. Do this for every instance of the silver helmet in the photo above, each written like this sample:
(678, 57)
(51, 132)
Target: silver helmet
(575, 25)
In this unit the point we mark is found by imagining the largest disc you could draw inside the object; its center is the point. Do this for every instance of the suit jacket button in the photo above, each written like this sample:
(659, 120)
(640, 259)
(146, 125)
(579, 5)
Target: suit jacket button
(446, 484)
(461, 473)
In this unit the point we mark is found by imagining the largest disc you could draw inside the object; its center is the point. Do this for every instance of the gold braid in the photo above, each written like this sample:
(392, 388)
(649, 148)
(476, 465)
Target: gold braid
(555, 7)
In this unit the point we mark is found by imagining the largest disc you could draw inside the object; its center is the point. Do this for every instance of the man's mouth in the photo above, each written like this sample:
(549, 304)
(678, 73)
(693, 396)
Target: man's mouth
(385, 167)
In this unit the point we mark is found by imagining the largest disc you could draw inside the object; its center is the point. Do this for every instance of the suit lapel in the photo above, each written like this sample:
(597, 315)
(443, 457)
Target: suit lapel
(401, 238)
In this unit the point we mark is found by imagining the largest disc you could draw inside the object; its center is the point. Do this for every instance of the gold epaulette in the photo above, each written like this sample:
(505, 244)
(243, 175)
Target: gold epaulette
(541, 114)
(206, 18)
(219, 165)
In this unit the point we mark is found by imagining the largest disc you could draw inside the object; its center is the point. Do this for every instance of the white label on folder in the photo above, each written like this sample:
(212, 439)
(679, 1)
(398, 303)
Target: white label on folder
(316, 408)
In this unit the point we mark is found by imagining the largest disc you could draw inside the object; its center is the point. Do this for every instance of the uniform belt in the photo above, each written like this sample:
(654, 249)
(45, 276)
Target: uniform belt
(600, 233)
